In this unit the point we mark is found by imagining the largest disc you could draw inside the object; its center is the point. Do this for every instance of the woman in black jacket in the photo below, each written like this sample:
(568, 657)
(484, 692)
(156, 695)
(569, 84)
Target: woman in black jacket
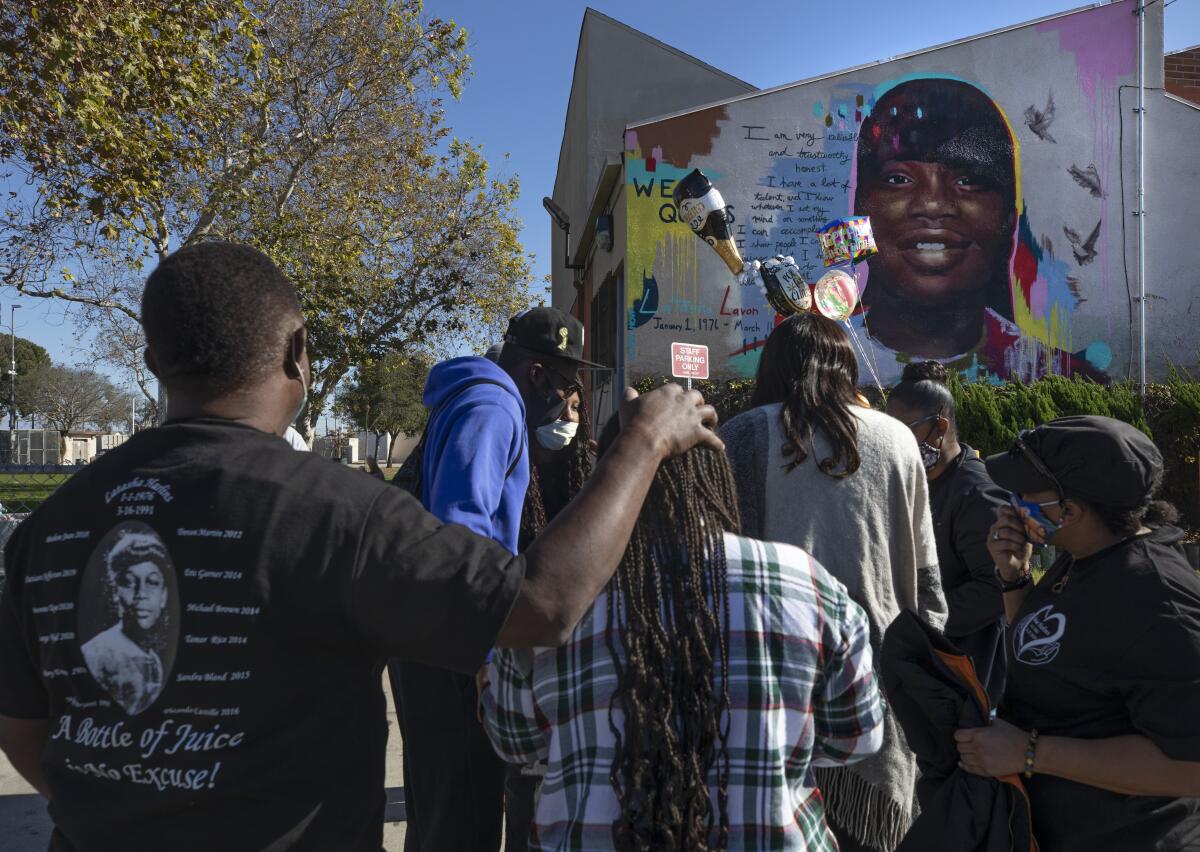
(963, 501)
(1103, 695)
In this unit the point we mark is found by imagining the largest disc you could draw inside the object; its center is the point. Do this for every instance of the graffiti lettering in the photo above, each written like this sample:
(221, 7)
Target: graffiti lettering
(727, 311)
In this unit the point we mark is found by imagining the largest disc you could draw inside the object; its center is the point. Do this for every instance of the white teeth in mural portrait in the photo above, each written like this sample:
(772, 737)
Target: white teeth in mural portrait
(931, 246)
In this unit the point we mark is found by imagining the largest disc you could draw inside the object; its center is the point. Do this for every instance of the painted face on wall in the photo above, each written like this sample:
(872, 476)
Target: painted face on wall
(937, 176)
(942, 230)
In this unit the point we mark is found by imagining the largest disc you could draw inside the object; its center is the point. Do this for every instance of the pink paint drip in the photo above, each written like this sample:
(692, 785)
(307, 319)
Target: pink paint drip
(1104, 41)
(1039, 295)
(631, 140)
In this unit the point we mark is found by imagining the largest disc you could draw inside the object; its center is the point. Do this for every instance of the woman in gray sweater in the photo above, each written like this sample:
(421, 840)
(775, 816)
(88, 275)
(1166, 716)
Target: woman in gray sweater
(817, 468)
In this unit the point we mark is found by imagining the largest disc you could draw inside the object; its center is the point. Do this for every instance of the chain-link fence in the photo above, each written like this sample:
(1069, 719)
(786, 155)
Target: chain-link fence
(23, 487)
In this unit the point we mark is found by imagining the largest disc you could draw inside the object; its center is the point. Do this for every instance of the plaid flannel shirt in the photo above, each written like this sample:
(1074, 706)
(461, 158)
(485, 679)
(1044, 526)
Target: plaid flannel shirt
(801, 689)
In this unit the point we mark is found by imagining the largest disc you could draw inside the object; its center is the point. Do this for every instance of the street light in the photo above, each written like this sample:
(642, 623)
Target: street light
(12, 386)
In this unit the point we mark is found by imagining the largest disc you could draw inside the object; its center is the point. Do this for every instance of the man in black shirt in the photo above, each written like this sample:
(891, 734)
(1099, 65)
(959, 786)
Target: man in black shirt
(1101, 710)
(239, 598)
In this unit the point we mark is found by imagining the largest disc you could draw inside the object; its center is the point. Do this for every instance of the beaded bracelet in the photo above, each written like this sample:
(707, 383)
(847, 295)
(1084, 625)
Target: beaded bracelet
(1030, 752)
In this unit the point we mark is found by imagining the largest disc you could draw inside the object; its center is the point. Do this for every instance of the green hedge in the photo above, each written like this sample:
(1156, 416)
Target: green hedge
(990, 416)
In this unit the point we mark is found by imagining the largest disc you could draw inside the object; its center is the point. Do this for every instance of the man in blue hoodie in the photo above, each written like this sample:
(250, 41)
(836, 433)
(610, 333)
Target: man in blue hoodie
(474, 472)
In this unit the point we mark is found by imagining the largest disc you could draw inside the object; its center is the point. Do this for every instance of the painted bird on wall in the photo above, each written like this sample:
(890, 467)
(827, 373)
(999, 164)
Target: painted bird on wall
(1039, 121)
(1085, 250)
(1088, 178)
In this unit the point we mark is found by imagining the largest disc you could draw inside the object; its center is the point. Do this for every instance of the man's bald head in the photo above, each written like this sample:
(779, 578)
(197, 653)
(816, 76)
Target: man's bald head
(218, 318)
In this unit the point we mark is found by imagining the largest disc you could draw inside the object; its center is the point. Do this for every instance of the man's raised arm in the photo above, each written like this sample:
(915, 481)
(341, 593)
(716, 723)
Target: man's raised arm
(570, 563)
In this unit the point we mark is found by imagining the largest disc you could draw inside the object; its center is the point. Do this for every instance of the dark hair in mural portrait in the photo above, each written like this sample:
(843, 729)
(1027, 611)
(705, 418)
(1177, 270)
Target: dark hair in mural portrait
(129, 615)
(937, 173)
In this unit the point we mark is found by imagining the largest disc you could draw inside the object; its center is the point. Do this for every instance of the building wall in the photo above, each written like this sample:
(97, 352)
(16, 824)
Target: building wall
(621, 76)
(1182, 73)
(1034, 124)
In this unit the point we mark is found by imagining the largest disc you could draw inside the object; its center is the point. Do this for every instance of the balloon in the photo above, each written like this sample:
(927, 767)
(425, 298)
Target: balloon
(836, 294)
(701, 206)
(784, 286)
(847, 240)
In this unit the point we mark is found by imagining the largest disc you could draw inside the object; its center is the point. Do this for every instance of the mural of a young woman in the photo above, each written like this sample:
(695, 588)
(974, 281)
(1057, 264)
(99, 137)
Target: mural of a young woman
(937, 172)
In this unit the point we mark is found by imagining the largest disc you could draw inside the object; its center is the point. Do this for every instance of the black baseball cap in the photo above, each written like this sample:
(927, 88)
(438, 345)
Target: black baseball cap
(1098, 460)
(548, 331)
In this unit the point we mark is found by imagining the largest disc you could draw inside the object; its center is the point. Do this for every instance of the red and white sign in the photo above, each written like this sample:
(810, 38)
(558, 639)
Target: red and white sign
(689, 361)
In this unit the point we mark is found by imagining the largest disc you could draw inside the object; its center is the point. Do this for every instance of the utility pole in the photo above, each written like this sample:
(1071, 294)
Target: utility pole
(12, 385)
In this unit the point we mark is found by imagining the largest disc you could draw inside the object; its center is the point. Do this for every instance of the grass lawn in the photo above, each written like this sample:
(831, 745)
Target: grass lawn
(24, 492)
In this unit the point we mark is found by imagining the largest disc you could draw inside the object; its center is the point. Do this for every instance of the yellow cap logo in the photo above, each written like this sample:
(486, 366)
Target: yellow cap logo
(562, 340)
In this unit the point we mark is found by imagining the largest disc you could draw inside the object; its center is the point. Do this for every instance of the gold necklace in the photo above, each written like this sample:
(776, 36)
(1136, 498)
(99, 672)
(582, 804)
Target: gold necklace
(1061, 584)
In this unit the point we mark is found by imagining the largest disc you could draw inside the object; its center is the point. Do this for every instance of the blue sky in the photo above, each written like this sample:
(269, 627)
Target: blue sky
(524, 53)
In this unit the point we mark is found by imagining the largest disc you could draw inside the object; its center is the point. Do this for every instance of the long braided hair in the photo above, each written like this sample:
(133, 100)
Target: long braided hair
(668, 608)
(577, 461)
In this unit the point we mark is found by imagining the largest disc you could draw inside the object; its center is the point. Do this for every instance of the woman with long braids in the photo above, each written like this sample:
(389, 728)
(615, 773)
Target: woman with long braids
(562, 462)
(686, 709)
(818, 469)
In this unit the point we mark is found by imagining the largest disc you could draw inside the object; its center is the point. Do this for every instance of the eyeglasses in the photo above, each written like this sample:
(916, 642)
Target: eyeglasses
(1019, 446)
(931, 418)
(917, 423)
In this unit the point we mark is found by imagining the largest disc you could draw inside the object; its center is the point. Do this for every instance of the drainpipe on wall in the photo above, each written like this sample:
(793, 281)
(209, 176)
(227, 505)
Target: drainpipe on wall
(1141, 195)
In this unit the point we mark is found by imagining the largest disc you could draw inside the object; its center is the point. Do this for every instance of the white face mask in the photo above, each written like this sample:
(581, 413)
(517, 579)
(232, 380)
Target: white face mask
(557, 435)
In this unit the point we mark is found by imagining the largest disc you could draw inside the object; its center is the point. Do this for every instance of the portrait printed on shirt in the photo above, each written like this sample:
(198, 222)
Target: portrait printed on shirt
(129, 615)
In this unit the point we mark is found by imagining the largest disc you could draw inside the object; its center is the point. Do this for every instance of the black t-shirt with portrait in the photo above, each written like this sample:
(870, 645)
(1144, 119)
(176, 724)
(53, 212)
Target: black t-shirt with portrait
(1115, 652)
(203, 615)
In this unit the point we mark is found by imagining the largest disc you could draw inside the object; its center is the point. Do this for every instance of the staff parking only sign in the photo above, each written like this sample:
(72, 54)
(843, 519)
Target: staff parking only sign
(689, 361)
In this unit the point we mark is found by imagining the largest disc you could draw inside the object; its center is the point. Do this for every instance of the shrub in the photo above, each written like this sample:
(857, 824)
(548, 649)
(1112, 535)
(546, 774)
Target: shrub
(990, 416)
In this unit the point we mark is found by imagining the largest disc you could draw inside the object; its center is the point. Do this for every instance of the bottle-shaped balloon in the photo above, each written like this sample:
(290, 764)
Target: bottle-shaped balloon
(785, 287)
(701, 206)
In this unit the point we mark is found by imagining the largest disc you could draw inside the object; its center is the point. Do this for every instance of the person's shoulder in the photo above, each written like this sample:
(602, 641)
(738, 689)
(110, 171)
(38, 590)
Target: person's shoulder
(972, 478)
(778, 568)
(1160, 594)
(880, 424)
(1159, 561)
(889, 438)
(746, 424)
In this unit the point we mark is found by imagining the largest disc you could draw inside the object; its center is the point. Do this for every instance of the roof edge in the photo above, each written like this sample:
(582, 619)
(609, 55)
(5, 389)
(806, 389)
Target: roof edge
(1167, 53)
(872, 64)
(590, 12)
(1183, 101)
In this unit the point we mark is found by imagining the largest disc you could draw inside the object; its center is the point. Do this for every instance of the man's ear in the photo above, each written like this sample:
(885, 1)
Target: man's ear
(151, 362)
(293, 363)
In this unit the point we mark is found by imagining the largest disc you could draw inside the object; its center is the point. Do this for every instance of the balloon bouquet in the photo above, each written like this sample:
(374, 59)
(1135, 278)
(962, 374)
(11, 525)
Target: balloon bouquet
(844, 242)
